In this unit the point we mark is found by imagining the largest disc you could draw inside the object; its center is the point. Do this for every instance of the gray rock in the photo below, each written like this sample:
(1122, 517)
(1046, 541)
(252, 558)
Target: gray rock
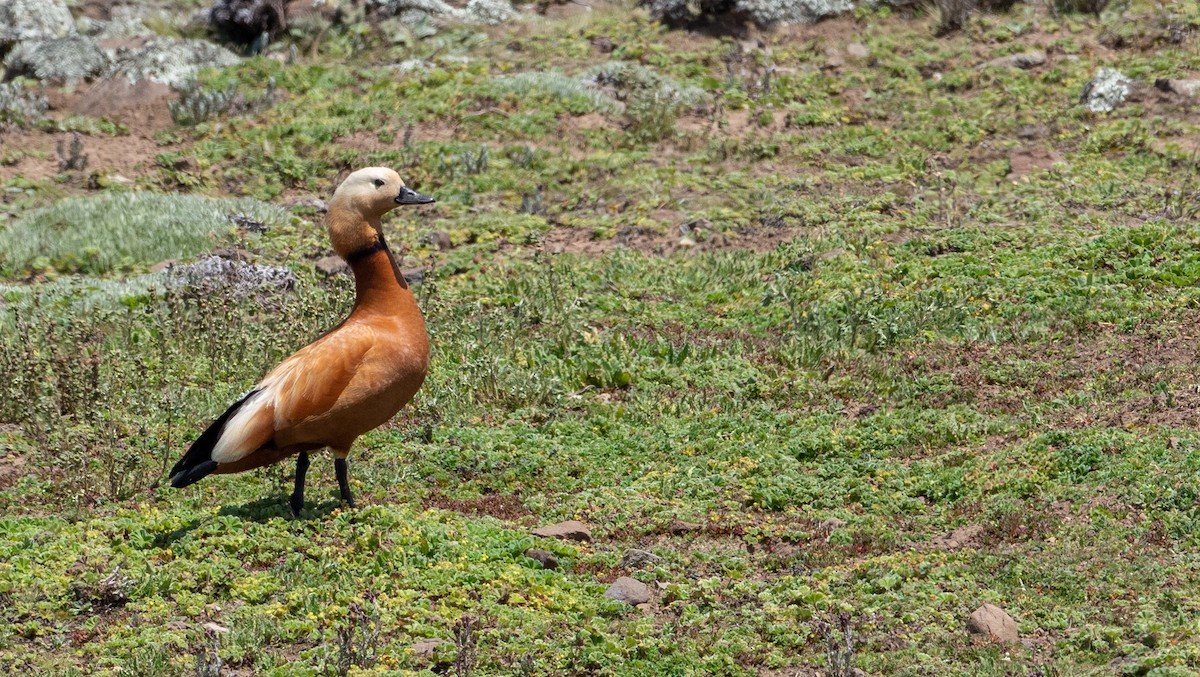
(332, 265)
(426, 647)
(491, 12)
(762, 12)
(22, 20)
(413, 275)
(572, 530)
(71, 59)
(439, 239)
(678, 527)
(172, 61)
(993, 622)
(415, 12)
(547, 560)
(858, 51)
(1023, 60)
(311, 202)
(1107, 89)
(636, 559)
(1189, 88)
(214, 273)
(629, 590)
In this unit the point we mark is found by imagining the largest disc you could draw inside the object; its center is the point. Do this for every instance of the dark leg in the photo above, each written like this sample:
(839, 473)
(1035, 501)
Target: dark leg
(296, 504)
(339, 469)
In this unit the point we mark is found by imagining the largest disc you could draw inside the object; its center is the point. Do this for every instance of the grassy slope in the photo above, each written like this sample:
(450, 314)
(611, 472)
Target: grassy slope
(933, 347)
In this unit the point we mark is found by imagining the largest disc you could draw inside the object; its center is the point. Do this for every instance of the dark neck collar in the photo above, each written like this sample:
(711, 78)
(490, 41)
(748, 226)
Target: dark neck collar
(379, 245)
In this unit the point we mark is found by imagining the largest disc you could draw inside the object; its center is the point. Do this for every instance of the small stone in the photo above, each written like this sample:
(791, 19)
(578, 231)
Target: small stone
(1106, 90)
(629, 590)
(1188, 88)
(547, 560)
(636, 559)
(687, 242)
(1023, 60)
(313, 203)
(994, 622)
(572, 530)
(426, 647)
(603, 45)
(680, 527)
(831, 524)
(1029, 132)
(332, 265)
(413, 275)
(232, 254)
(214, 628)
(22, 20)
(439, 239)
(858, 50)
(963, 537)
(834, 58)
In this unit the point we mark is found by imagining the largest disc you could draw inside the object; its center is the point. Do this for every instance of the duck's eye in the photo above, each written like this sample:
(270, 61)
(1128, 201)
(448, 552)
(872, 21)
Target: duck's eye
(378, 183)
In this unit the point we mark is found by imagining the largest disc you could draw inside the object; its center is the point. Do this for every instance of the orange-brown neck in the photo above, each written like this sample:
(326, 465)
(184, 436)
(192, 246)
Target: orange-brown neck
(379, 287)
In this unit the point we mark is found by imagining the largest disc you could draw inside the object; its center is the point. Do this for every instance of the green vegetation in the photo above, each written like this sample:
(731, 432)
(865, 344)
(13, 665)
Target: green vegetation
(827, 313)
(112, 231)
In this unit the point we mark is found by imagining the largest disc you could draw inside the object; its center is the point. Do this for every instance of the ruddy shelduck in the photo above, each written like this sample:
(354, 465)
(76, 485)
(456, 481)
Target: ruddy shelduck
(349, 381)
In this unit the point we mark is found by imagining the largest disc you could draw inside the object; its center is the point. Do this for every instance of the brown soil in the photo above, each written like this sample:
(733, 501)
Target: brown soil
(1024, 162)
(141, 108)
(12, 467)
(649, 241)
(1147, 374)
(501, 506)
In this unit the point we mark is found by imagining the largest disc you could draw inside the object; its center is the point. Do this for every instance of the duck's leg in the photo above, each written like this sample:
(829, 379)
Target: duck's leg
(296, 504)
(341, 469)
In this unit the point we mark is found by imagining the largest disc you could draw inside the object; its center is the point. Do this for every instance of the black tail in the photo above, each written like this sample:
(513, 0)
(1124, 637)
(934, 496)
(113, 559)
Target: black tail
(197, 463)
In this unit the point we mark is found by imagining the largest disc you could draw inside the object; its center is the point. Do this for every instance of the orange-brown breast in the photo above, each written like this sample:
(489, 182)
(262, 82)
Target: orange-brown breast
(345, 383)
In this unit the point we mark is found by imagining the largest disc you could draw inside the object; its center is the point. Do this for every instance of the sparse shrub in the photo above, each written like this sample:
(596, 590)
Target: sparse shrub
(953, 15)
(839, 646)
(577, 94)
(20, 107)
(652, 101)
(626, 81)
(71, 156)
(1094, 7)
(465, 646)
(198, 104)
(208, 661)
(358, 639)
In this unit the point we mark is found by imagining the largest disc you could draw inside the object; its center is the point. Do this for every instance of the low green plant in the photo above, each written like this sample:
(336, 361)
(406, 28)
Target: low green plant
(98, 234)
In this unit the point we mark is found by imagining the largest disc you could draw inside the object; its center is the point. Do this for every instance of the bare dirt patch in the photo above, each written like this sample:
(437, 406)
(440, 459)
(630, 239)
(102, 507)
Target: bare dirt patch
(501, 506)
(1146, 377)
(650, 241)
(12, 467)
(1025, 162)
(141, 108)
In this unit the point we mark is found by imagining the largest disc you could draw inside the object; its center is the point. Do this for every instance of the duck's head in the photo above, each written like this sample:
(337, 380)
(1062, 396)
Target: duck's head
(374, 191)
(361, 200)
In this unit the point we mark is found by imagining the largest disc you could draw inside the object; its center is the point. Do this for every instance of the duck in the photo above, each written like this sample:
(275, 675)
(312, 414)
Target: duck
(350, 380)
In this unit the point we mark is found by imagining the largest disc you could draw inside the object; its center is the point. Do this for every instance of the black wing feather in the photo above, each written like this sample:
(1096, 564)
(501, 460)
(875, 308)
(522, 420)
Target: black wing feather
(197, 463)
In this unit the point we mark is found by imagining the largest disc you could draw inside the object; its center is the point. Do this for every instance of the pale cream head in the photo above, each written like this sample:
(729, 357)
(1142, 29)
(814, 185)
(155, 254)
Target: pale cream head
(361, 201)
